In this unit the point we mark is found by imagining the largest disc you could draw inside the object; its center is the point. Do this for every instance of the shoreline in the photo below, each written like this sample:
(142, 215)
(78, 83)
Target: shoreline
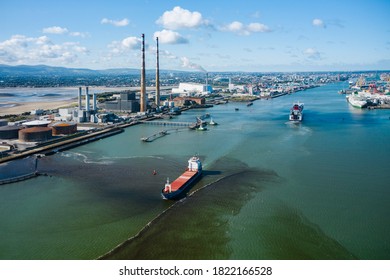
(16, 108)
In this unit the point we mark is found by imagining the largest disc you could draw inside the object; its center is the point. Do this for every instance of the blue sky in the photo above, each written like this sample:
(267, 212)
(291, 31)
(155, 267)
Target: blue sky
(246, 35)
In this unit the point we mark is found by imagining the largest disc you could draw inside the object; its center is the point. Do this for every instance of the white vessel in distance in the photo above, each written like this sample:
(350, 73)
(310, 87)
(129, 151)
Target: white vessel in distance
(296, 114)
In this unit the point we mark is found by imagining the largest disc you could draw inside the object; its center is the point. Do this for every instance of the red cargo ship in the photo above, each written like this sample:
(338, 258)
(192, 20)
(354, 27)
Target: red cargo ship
(177, 189)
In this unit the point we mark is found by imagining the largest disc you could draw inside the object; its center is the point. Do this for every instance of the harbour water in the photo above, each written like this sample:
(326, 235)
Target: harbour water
(272, 189)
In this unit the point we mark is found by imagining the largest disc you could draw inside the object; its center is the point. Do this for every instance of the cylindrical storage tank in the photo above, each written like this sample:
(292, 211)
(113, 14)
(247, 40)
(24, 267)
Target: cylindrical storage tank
(63, 128)
(3, 122)
(9, 132)
(37, 123)
(35, 134)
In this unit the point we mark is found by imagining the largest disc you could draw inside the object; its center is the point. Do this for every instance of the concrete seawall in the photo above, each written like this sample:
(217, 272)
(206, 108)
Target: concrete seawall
(66, 143)
(18, 178)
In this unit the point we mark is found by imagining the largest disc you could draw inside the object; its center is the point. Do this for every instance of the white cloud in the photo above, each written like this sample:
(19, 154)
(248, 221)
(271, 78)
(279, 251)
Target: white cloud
(241, 29)
(79, 34)
(236, 27)
(43, 40)
(170, 37)
(119, 23)
(63, 30)
(55, 30)
(181, 18)
(131, 43)
(168, 54)
(258, 27)
(312, 53)
(127, 44)
(20, 49)
(318, 23)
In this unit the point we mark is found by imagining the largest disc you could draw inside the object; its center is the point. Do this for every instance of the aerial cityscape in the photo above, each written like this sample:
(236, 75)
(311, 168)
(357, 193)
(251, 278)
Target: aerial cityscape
(176, 131)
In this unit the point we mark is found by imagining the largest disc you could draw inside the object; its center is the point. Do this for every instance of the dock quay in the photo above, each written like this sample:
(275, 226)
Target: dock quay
(155, 136)
(381, 106)
(166, 123)
(81, 138)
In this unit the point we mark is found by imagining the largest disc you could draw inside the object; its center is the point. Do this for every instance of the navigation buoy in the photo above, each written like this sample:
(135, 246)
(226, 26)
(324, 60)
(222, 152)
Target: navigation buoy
(154, 172)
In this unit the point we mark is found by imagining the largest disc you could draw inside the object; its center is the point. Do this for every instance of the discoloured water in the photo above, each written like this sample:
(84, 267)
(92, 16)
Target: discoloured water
(317, 190)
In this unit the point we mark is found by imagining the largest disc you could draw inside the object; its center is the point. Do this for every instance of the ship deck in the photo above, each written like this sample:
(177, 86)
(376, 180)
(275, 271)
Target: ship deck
(182, 179)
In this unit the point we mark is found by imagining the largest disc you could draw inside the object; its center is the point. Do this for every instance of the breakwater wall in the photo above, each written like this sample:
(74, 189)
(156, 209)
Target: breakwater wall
(64, 144)
(19, 178)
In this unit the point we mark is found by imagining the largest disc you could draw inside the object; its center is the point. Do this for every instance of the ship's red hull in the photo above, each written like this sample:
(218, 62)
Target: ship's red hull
(181, 185)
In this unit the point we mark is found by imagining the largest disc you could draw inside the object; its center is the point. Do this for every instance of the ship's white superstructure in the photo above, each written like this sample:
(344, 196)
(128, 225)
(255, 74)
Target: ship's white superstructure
(296, 114)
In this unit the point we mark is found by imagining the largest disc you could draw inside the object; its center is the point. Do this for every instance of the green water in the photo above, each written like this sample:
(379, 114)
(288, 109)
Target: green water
(273, 190)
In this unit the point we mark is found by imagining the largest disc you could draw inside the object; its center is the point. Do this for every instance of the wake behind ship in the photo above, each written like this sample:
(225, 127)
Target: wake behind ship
(177, 189)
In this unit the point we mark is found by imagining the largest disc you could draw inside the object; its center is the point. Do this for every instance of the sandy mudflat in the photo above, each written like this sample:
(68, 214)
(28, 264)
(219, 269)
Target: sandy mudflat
(21, 107)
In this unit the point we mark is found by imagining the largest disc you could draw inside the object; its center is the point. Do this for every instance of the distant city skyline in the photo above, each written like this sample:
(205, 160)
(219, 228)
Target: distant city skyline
(252, 36)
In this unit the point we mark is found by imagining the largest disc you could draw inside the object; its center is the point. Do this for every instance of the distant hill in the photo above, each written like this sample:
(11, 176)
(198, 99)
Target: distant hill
(44, 70)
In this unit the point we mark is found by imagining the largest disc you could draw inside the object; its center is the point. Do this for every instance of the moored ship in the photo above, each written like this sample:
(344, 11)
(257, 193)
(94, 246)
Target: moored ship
(356, 100)
(178, 188)
(296, 114)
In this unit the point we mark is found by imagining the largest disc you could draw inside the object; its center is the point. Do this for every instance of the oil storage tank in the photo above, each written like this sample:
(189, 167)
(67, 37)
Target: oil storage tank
(63, 128)
(35, 134)
(9, 132)
(36, 123)
(3, 122)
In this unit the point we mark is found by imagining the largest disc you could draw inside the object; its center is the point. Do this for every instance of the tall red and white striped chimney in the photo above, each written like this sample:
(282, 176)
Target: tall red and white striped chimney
(143, 86)
(157, 77)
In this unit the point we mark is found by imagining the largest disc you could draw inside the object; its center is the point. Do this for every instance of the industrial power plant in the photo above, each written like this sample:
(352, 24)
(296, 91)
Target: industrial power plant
(88, 115)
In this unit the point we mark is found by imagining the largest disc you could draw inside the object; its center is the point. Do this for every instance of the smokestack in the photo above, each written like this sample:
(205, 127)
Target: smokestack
(143, 86)
(207, 81)
(80, 92)
(86, 99)
(94, 102)
(157, 77)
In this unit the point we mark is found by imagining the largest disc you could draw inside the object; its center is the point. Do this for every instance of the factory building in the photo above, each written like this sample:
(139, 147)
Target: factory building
(126, 102)
(37, 112)
(192, 89)
(187, 101)
(108, 118)
(65, 114)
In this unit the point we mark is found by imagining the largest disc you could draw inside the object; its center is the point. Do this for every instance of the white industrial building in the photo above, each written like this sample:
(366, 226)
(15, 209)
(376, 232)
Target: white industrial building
(192, 89)
(65, 114)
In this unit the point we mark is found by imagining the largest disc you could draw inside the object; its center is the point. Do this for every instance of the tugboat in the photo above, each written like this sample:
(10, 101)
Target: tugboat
(296, 114)
(212, 122)
(178, 188)
(201, 127)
